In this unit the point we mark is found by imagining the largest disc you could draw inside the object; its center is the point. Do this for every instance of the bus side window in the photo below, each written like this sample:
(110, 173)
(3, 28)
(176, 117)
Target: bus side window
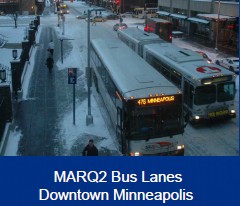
(176, 78)
(165, 72)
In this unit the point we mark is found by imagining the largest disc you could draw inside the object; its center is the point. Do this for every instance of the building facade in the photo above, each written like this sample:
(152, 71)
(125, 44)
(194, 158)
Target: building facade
(122, 6)
(204, 20)
(22, 6)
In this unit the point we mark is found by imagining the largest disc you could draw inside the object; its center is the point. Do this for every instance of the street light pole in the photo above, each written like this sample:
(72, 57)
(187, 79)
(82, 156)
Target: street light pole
(216, 44)
(89, 117)
(63, 24)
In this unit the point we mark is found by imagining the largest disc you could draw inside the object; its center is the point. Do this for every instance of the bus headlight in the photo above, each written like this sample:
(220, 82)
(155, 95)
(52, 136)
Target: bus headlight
(135, 154)
(233, 111)
(197, 117)
(180, 147)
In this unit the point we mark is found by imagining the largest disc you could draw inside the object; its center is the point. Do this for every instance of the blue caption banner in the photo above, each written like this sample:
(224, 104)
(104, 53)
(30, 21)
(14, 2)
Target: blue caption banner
(193, 181)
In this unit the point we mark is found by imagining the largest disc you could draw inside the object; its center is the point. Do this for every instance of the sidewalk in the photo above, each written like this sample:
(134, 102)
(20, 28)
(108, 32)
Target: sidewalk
(43, 118)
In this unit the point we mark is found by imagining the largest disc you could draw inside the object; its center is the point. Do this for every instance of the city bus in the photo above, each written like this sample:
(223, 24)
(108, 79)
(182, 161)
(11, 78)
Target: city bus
(208, 89)
(142, 12)
(146, 109)
(161, 27)
(136, 39)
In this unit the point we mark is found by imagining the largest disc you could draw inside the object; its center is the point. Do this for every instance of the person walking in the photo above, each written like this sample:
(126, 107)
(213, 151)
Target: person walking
(51, 47)
(49, 63)
(94, 21)
(121, 19)
(90, 149)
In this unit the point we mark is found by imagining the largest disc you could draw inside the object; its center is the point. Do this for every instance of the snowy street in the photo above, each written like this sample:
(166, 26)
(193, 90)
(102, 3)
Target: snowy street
(43, 124)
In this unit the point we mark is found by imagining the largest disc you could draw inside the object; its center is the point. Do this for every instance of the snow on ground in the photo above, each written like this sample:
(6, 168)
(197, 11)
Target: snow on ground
(12, 34)
(98, 128)
(12, 148)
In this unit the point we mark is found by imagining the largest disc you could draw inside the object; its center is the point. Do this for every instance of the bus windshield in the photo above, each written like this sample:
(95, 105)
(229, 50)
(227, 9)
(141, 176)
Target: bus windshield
(151, 122)
(205, 95)
(225, 92)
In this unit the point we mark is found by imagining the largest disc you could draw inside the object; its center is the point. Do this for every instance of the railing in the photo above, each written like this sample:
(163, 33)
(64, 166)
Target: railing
(3, 40)
(2, 118)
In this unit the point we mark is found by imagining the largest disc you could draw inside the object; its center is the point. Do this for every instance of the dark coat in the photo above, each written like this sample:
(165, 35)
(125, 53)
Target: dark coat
(49, 62)
(90, 151)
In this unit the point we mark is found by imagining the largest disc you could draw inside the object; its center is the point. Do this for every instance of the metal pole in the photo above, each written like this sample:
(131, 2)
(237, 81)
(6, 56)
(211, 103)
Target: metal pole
(74, 104)
(63, 19)
(88, 65)
(61, 50)
(89, 118)
(216, 45)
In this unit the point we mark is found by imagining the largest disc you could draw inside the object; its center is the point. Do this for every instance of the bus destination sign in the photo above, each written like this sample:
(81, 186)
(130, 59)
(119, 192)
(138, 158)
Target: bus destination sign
(155, 100)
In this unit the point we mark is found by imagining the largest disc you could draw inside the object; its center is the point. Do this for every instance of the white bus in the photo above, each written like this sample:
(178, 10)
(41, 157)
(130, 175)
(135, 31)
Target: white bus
(144, 107)
(136, 39)
(208, 89)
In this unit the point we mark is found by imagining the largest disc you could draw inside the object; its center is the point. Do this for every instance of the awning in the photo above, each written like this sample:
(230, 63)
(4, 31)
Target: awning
(198, 21)
(178, 16)
(214, 17)
(163, 13)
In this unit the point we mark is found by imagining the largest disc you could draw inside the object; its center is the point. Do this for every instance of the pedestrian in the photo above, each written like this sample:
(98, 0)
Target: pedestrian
(94, 21)
(100, 13)
(121, 19)
(49, 63)
(51, 47)
(90, 149)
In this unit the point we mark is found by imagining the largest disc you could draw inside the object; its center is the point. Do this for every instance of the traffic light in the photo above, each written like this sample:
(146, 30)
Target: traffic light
(118, 2)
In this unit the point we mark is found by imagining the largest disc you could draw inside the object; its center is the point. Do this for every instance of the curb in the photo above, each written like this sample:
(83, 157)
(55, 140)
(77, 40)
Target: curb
(20, 93)
(3, 143)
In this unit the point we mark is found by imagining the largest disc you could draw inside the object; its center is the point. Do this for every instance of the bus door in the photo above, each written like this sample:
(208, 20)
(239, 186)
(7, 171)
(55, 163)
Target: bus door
(119, 122)
(119, 130)
(119, 126)
(188, 92)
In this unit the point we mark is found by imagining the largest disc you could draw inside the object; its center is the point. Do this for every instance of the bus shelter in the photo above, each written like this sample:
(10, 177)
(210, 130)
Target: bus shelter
(227, 29)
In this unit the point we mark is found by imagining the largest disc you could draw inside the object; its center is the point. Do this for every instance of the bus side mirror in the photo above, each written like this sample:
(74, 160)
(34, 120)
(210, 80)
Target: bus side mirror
(186, 119)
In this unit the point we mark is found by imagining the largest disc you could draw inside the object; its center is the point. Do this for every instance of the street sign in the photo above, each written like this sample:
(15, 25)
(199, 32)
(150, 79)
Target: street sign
(72, 75)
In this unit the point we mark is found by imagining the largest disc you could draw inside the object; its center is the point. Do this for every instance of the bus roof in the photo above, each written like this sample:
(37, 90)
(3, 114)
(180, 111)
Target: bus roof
(136, 34)
(185, 61)
(133, 76)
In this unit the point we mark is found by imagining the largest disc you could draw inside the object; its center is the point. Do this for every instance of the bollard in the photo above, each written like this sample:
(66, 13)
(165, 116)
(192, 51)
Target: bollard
(16, 75)
(26, 48)
(31, 36)
(5, 91)
(38, 19)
